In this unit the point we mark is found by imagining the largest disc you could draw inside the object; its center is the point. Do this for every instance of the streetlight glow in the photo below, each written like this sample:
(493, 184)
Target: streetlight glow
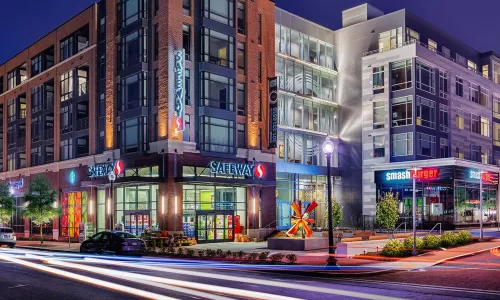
(328, 146)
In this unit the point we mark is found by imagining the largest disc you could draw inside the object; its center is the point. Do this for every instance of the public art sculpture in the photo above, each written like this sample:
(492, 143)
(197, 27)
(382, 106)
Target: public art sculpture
(301, 220)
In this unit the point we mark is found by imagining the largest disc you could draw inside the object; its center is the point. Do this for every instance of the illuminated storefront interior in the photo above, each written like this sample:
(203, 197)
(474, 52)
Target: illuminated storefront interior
(74, 210)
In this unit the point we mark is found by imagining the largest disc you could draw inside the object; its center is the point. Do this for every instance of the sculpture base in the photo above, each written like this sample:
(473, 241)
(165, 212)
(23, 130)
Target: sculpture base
(297, 244)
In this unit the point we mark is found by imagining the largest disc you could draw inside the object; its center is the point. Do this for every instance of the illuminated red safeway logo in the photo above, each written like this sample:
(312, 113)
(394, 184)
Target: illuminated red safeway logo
(119, 167)
(260, 171)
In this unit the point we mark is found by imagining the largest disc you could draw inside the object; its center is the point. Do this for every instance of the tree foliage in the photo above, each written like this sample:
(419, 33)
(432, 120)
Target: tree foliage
(7, 206)
(336, 214)
(387, 211)
(40, 200)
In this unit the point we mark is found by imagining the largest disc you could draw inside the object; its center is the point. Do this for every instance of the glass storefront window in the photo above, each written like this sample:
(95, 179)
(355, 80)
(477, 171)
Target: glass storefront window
(467, 202)
(74, 210)
(136, 207)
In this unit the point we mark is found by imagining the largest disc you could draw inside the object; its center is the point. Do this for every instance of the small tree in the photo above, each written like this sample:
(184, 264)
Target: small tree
(40, 208)
(387, 211)
(7, 207)
(336, 214)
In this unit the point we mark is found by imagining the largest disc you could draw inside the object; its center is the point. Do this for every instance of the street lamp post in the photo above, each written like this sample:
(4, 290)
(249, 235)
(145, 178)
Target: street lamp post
(328, 148)
(480, 205)
(112, 178)
(414, 211)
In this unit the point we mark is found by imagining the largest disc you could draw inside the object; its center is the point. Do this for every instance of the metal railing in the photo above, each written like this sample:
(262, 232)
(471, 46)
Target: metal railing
(395, 229)
(438, 224)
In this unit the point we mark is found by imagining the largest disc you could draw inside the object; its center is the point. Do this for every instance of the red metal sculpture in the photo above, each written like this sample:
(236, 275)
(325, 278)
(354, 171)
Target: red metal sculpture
(300, 219)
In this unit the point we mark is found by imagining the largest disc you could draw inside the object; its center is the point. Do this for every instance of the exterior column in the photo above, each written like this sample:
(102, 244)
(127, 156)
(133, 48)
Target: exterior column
(174, 208)
(253, 208)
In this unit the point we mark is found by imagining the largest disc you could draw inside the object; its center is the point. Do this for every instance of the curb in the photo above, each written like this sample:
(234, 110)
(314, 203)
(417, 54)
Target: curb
(329, 274)
(439, 262)
(43, 249)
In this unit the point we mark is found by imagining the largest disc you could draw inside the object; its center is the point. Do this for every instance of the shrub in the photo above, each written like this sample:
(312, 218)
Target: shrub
(201, 253)
(252, 256)
(393, 248)
(449, 239)
(291, 258)
(219, 253)
(408, 243)
(241, 254)
(234, 255)
(180, 251)
(189, 252)
(277, 257)
(210, 253)
(432, 241)
(263, 255)
(464, 237)
(229, 253)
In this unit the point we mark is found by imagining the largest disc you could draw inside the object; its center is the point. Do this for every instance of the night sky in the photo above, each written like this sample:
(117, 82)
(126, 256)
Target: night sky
(22, 22)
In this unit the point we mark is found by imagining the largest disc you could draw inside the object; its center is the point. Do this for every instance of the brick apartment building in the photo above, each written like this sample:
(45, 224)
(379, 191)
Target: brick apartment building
(170, 96)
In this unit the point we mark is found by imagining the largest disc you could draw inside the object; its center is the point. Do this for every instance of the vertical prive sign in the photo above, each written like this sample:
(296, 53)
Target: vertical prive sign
(273, 112)
(179, 70)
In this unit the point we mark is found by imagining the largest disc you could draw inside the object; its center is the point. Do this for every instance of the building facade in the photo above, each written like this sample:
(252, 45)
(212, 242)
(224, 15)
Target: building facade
(170, 96)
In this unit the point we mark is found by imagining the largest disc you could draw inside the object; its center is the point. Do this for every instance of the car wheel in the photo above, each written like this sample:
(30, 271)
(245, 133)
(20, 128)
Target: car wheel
(12, 246)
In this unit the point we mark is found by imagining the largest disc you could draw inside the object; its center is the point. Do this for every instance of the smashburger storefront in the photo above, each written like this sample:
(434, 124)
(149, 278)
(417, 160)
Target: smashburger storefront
(221, 198)
(448, 195)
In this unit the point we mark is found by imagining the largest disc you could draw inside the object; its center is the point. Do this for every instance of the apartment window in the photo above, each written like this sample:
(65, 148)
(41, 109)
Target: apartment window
(378, 80)
(134, 48)
(241, 98)
(486, 72)
(66, 119)
(217, 135)
(259, 66)
(186, 7)
(426, 80)
(459, 86)
(36, 65)
(187, 86)
(496, 72)
(402, 111)
(460, 59)
(259, 139)
(102, 67)
(443, 84)
(379, 146)
(101, 145)
(241, 136)
(496, 134)
(36, 98)
(1, 86)
(36, 134)
(390, 39)
(11, 110)
(130, 135)
(475, 151)
(102, 105)
(36, 156)
(67, 48)
(157, 42)
(259, 25)
(186, 40)
(485, 127)
(474, 123)
(485, 95)
(82, 146)
(412, 35)
(426, 112)
(459, 119)
(443, 118)
(219, 10)
(11, 162)
(446, 51)
(186, 134)
(155, 87)
(22, 160)
(241, 18)
(426, 145)
(241, 58)
(471, 65)
(134, 91)
(132, 10)
(378, 114)
(402, 144)
(401, 75)
(444, 148)
(66, 149)
(217, 91)
(217, 48)
(259, 105)
(432, 45)
(485, 155)
(102, 28)
(460, 153)
(66, 86)
(496, 106)
(474, 93)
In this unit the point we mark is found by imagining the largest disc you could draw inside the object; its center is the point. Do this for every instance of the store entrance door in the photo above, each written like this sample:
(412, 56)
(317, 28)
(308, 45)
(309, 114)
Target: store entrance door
(136, 221)
(214, 226)
(284, 211)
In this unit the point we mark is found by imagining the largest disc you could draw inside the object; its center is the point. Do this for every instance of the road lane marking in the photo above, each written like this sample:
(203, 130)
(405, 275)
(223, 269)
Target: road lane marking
(86, 279)
(250, 280)
(18, 286)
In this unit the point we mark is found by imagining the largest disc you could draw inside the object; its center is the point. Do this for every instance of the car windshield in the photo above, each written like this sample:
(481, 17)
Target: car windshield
(125, 235)
(6, 230)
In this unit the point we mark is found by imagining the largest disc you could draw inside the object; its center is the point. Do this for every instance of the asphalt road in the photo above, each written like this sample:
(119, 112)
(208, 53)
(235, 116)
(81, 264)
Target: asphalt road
(27, 274)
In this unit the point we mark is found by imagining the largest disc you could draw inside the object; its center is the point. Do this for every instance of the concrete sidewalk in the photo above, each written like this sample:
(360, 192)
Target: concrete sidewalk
(49, 246)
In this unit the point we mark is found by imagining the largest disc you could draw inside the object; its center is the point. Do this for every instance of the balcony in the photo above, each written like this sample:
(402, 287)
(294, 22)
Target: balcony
(82, 124)
(49, 134)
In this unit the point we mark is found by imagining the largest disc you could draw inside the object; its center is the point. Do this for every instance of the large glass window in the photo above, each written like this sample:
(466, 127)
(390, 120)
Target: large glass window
(219, 10)
(132, 10)
(130, 135)
(426, 112)
(241, 98)
(74, 210)
(134, 48)
(217, 91)
(305, 114)
(459, 119)
(241, 18)
(66, 86)
(66, 119)
(186, 40)
(426, 145)
(401, 75)
(425, 80)
(443, 84)
(485, 97)
(378, 114)
(217, 135)
(496, 134)
(496, 106)
(217, 48)
(474, 93)
(390, 39)
(101, 210)
(402, 144)
(459, 86)
(496, 72)
(444, 148)
(67, 48)
(134, 91)
(474, 124)
(443, 118)
(485, 126)
(241, 136)
(378, 80)
(379, 146)
(402, 111)
(66, 149)
(241, 58)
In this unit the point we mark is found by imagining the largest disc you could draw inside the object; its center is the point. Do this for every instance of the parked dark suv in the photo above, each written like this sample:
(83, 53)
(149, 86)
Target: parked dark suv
(114, 242)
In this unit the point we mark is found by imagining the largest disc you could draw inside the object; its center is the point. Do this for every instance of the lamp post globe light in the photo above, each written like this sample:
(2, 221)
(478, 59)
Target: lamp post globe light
(328, 148)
